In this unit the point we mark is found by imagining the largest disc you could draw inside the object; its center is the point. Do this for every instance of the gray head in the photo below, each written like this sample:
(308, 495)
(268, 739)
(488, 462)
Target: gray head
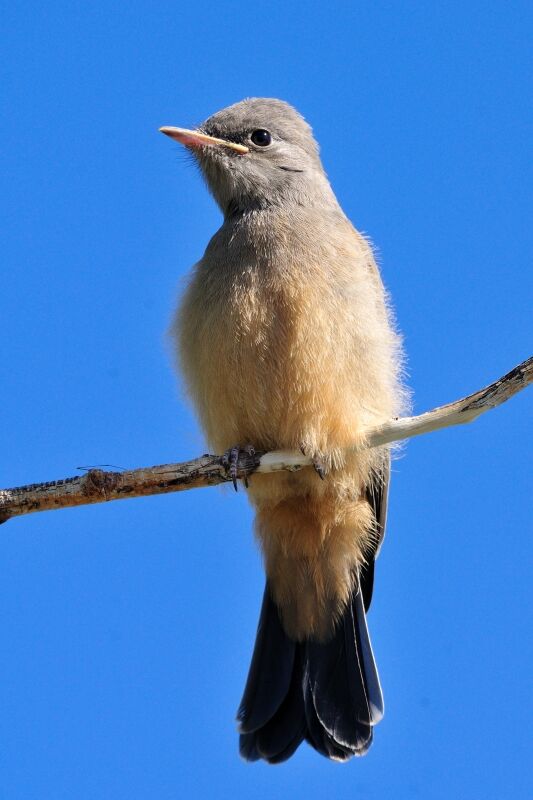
(257, 154)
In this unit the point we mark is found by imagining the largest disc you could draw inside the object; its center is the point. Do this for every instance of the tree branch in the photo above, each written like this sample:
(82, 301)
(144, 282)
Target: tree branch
(99, 486)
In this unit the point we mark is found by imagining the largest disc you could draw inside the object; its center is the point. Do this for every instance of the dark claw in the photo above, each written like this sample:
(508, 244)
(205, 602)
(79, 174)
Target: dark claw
(240, 459)
(318, 466)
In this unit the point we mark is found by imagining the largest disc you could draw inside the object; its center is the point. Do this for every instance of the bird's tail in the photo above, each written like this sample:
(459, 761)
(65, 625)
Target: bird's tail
(325, 692)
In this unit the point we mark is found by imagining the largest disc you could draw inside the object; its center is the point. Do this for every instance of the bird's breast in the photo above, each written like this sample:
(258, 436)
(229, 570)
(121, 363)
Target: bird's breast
(270, 352)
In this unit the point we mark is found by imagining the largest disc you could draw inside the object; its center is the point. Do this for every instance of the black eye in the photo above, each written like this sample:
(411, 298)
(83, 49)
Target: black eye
(261, 138)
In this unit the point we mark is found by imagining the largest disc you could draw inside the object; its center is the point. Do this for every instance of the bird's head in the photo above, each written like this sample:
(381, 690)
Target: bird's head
(257, 154)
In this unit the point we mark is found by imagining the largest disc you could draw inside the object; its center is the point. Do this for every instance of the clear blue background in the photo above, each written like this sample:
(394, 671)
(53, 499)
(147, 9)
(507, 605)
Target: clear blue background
(126, 629)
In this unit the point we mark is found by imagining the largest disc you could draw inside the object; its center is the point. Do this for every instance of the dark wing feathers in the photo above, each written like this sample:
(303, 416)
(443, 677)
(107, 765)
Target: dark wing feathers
(369, 669)
(377, 495)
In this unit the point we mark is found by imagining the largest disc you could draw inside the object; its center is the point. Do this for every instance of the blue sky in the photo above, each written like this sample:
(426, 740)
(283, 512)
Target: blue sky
(126, 630)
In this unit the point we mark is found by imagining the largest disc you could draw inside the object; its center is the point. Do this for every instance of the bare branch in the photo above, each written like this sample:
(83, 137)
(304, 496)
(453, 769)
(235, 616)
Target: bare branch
(99, 486)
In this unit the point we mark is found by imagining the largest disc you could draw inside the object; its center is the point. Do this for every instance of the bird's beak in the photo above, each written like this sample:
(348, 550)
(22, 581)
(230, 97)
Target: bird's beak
(198, 139)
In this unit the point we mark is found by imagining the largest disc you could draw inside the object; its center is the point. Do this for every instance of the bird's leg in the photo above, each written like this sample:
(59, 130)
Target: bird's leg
(318, 464)
(242, 460)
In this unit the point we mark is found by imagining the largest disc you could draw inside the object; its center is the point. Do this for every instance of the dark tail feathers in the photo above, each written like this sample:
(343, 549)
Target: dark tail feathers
(328, 694)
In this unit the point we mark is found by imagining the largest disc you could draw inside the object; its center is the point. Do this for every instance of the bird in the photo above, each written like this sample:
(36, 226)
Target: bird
(286, 340)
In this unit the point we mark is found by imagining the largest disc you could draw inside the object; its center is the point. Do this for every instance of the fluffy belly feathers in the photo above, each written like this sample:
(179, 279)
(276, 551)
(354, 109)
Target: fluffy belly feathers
(280, 367)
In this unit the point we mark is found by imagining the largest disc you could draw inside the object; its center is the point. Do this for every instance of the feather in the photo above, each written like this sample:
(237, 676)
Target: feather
(270, 672)
(377, 495)
(338, 688)
(331, 698)
(280, 737)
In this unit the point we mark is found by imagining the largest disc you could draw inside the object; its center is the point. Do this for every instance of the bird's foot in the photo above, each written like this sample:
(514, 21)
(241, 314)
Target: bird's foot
(317, 462)
(240, 460)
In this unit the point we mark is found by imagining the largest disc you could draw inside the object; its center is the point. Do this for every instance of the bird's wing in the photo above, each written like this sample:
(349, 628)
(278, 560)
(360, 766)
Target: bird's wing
(377, 495)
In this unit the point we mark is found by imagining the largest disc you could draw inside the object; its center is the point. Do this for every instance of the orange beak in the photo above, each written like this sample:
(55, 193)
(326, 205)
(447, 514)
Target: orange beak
(198, 139)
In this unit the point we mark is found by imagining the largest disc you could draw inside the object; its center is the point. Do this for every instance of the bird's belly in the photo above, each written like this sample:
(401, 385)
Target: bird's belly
(277, 379)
